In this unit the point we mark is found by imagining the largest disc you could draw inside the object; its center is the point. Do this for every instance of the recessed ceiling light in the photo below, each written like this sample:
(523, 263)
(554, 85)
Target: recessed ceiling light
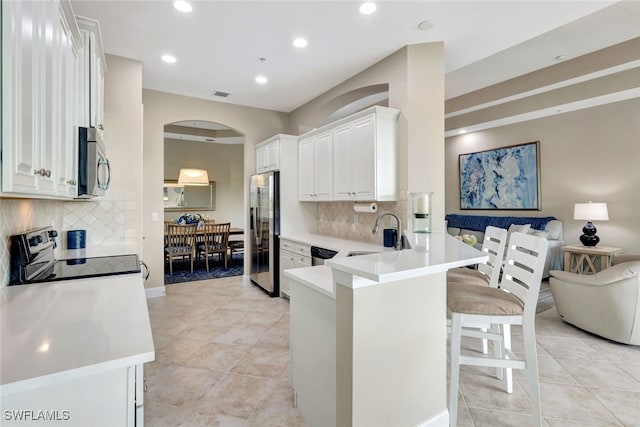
(183, 6)
(300, 42)
(169, 59)
(261, 80)
(560, 57)
(367, 8)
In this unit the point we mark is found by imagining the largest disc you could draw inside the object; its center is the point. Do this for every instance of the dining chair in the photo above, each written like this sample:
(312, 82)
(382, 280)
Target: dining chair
(216, 241)
(180, 243)
(486, 274)
(512, 303)
(235, 246)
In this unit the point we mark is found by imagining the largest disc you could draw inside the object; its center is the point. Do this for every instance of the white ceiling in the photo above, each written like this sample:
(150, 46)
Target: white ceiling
(219, 44)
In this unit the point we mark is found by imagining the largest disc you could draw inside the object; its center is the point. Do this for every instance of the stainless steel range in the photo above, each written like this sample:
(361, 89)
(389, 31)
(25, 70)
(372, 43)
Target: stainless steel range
(33, 260)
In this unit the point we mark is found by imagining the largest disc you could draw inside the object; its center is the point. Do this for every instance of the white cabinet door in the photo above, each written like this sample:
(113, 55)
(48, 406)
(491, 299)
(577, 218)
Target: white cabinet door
(97, 400)
(273, 155)
(261, 154)
(323, 166)
(287, 261)
(354, 159)
(20, 98)
(66, 164)
(306, 171)
(37, 104)
(342, 163)
(91, 69)
(268, 156)
(363, 158)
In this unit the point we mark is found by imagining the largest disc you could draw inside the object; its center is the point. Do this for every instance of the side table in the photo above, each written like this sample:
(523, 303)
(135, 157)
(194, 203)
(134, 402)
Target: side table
(581, 259)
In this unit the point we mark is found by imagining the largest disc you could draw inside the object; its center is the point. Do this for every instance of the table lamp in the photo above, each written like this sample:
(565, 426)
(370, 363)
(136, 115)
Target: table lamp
(590, 212)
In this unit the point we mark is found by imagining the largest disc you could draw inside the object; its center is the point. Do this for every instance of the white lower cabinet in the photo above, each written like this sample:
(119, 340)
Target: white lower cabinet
(312, 366)
(105, 399)
(292, 255)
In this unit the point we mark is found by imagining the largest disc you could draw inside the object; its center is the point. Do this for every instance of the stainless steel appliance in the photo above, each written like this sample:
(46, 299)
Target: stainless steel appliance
(318, 255)
(33, 260)
(94, 170)
(264, 214)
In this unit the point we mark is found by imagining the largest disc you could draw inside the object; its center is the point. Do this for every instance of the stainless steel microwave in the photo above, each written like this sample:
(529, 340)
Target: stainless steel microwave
(94, 170)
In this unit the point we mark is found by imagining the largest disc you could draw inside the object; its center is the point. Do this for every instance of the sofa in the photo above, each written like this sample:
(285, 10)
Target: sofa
(548, 227)
(606, 303)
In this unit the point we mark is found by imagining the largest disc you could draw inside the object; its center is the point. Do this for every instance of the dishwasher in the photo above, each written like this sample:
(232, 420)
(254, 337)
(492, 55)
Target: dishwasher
(318, 255)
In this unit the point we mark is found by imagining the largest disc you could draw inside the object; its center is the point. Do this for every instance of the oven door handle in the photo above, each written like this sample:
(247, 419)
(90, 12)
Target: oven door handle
(147, 271)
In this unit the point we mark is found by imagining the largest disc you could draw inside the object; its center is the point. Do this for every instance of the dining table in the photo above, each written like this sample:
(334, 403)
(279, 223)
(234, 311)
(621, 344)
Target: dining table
(233, 231)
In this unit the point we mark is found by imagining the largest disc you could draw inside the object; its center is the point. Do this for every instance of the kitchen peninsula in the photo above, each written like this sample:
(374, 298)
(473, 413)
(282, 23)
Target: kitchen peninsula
(368, 335)
(73, 352)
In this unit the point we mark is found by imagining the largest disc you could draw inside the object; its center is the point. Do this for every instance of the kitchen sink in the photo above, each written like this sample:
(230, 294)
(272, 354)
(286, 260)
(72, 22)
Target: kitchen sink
(358, 253)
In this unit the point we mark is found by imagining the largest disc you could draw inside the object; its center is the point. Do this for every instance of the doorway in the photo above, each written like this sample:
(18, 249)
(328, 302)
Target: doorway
(218, 150)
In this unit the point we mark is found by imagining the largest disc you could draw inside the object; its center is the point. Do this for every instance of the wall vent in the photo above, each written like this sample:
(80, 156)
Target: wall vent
(221, 93)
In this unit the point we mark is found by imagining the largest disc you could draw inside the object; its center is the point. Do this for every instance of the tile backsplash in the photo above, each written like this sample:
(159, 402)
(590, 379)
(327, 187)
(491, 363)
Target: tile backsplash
(339, 219)
(109, 221)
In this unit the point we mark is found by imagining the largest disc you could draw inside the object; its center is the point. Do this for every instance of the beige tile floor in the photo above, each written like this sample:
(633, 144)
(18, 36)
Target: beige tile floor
(222, 360)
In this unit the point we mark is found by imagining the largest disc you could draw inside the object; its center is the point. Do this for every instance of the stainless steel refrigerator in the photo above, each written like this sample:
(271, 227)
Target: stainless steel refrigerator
(264, 214)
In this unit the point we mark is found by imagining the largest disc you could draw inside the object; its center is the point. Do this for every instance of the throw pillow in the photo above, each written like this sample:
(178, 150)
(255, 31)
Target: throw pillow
(539, 233)
(513, 228)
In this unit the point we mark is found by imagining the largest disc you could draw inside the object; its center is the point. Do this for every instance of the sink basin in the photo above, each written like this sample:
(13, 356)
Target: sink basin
(358, 253)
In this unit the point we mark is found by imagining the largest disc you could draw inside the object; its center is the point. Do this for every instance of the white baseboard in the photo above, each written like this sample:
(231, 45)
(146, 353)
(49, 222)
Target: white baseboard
(440, 420)
(154, 292)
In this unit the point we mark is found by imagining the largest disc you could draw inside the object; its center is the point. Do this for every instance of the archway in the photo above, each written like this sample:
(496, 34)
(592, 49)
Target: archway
(215, 148)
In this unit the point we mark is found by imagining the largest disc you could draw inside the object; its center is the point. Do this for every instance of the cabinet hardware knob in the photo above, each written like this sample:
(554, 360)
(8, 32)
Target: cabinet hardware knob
(100, 126)
(146, 388)
(48, 173)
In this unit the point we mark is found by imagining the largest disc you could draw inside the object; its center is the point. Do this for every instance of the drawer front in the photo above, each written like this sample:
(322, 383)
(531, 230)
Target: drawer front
(287, 245)
(303, 249)
(302, 261)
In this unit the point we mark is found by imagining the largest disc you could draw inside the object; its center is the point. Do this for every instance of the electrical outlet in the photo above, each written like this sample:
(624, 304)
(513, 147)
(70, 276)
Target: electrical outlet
(355, 219)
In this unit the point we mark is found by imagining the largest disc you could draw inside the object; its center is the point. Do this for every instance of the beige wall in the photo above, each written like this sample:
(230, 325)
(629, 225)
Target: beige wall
(415, 77)
(224, 164)
(161, 108)
(591, 154)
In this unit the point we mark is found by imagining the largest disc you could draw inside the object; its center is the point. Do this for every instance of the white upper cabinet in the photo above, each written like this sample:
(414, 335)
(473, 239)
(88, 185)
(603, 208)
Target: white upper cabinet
(268, 155)
(362, 160)
(40, 42)
(315, 167)
(91, 71)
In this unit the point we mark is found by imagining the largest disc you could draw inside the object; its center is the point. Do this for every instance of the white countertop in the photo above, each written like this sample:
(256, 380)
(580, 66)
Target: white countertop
(432, 253)
(63, 330)
(342, 246)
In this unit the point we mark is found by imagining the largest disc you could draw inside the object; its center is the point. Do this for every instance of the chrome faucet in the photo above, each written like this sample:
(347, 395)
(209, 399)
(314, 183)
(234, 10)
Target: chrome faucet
(398, 246)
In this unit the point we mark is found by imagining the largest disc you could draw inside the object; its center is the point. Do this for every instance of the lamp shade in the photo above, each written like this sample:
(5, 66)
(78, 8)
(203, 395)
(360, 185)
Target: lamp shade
(193, 177)
(591, 211)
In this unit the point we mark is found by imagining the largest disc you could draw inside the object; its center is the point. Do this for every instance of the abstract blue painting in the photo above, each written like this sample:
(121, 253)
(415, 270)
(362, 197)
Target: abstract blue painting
(503, 178)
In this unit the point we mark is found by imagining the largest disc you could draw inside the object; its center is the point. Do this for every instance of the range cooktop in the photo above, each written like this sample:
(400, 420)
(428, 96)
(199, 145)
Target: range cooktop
(33, 261)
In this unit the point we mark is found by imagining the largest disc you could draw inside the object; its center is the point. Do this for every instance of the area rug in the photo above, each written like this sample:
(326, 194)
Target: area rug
(182, 270)
(545, 298)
